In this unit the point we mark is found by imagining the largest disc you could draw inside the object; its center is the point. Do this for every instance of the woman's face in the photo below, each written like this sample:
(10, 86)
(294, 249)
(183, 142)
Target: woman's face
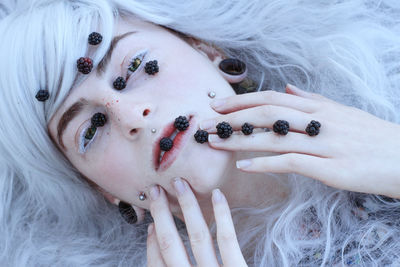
(121, 157)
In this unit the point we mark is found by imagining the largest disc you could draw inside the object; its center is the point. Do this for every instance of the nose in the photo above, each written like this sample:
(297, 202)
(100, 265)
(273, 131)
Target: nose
(132, 118)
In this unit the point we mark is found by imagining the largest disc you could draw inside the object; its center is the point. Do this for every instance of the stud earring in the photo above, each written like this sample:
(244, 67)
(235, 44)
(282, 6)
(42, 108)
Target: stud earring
(211, 94)
(153, 130)
(142, 196)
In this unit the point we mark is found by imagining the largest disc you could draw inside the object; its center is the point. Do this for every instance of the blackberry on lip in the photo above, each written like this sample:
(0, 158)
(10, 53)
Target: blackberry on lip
(42, 95)
(99, 119)
(166, 144)
(247, 128)
(119, 83)
(181, 123)
(281, 127)
(151, 67)
(95, 38)
(313, 128)
(224, 130)
(201, 136)
(84, 65)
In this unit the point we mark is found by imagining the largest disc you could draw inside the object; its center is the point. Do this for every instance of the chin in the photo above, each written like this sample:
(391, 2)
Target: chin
(208, 171)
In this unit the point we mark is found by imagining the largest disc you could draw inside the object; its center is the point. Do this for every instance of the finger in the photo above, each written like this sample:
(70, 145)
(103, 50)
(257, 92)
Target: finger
(169, 241)
(199, 234)
(154, 257)
(306, 165)
(229, 248)
(261, 117)
(269, 97)
(291, 89)
(271, 142)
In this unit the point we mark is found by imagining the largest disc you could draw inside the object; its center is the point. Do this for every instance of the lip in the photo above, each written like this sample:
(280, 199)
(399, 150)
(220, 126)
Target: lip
(179, 142)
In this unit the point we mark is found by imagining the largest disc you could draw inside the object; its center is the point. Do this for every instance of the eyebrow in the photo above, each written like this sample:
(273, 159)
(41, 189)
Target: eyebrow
(75, 109)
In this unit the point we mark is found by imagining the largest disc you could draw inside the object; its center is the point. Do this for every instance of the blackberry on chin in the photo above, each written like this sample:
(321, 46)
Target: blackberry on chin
(181, 123)
(281, 127)
(247, 128)
(201, 136)
(119, 83)
(166, 144)
(151, 67)
(85, 65)
(224, 130)
(99, 119)
(95, 38)
(42, 95)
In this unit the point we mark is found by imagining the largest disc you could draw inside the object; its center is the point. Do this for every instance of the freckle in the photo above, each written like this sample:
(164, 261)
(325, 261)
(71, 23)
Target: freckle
(117, 101)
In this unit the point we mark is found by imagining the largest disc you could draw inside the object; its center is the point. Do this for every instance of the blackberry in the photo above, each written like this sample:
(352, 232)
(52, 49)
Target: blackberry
(166, 143)
(224, 130)
(95, 38)
(281, 127)
(42, 95)
(151, 67)
(247, 128)
(119, 83)
(312, 128)
(201, 136)
(99, 119)
(84, 65)
(181, 123)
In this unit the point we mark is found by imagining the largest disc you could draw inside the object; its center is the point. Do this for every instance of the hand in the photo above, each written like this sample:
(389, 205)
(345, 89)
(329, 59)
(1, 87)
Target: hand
(165, 247)
(354, 150)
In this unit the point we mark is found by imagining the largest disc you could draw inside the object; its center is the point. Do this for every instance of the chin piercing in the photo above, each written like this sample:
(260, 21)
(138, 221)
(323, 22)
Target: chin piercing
(153, 130)
(211, 94)
(312, 128)
(142, 196)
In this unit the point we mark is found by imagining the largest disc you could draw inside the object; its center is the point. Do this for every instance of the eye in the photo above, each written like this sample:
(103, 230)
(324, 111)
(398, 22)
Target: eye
(135, 63)
(87, 137)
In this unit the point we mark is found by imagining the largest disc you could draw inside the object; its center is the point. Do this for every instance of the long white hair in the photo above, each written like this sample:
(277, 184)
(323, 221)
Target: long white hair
(348, 51)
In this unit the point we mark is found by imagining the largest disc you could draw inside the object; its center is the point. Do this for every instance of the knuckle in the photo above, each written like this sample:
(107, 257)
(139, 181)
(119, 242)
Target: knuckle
(165, 242)
(198, 237)
(292, 162)
(266, 111)
(228, 237)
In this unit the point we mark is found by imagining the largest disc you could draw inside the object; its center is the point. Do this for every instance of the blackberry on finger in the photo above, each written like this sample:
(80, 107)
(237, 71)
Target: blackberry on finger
(201, 136)
(281, 127)
(224, 130)
(247, 128)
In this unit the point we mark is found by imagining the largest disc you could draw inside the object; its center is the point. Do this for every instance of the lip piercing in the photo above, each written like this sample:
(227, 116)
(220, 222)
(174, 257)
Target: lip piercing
(153, 130)
(211, 94)
(142, 196)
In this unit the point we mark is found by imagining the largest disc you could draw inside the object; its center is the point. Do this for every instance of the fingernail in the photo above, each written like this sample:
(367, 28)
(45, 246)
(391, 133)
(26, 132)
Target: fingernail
(179, 186)
(150, 229)
(242, 164)
(293, 88)
(216, 195)
(207, 125)
(218, 103)
(154, 192)
(213, 138)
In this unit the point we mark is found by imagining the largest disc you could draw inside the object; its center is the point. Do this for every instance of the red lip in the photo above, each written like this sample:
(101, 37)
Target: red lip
(169, 156)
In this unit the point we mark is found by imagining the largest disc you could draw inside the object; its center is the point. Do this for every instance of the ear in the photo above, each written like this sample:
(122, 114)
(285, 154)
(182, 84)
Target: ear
(140, 212)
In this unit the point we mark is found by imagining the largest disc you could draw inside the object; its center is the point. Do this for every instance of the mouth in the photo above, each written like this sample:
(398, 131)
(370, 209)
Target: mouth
(164, 159)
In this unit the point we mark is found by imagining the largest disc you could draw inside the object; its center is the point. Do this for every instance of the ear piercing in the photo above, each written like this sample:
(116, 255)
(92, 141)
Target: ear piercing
(211, 94)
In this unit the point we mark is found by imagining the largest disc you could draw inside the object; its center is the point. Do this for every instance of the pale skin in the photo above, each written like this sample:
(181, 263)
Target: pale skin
(186, 75)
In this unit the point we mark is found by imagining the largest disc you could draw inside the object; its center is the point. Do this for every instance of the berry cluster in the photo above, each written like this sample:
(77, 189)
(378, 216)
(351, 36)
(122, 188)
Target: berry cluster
(247, 128)
(119, 83)
(84, 65)
(313, 128)
(42, 95)
(224, 130)
(281, 127)
(201, 136)
(166, 144)
(95, 38)
(181, 123)
(97, 120)
(151, 67)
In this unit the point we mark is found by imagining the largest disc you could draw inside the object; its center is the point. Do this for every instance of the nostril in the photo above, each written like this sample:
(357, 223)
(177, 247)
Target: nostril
(146, 112)
(133, 131)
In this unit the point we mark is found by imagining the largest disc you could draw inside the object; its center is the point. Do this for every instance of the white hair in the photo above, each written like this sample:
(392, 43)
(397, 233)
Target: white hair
(348, 51)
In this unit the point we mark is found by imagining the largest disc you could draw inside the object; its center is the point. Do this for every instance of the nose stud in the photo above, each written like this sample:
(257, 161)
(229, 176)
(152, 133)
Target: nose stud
(153, 130)
(211, 94)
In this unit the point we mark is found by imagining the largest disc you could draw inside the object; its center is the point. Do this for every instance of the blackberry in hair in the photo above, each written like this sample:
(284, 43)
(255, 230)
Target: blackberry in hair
(166, 144)
(119, 83)
(84, 65)
(312, 128)
(95, 38)
(181, 123)
(151, 67)
(247, 128)
(99, 119)
(281, 127)
(224, 130)
(201, 136)
(42, 95)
